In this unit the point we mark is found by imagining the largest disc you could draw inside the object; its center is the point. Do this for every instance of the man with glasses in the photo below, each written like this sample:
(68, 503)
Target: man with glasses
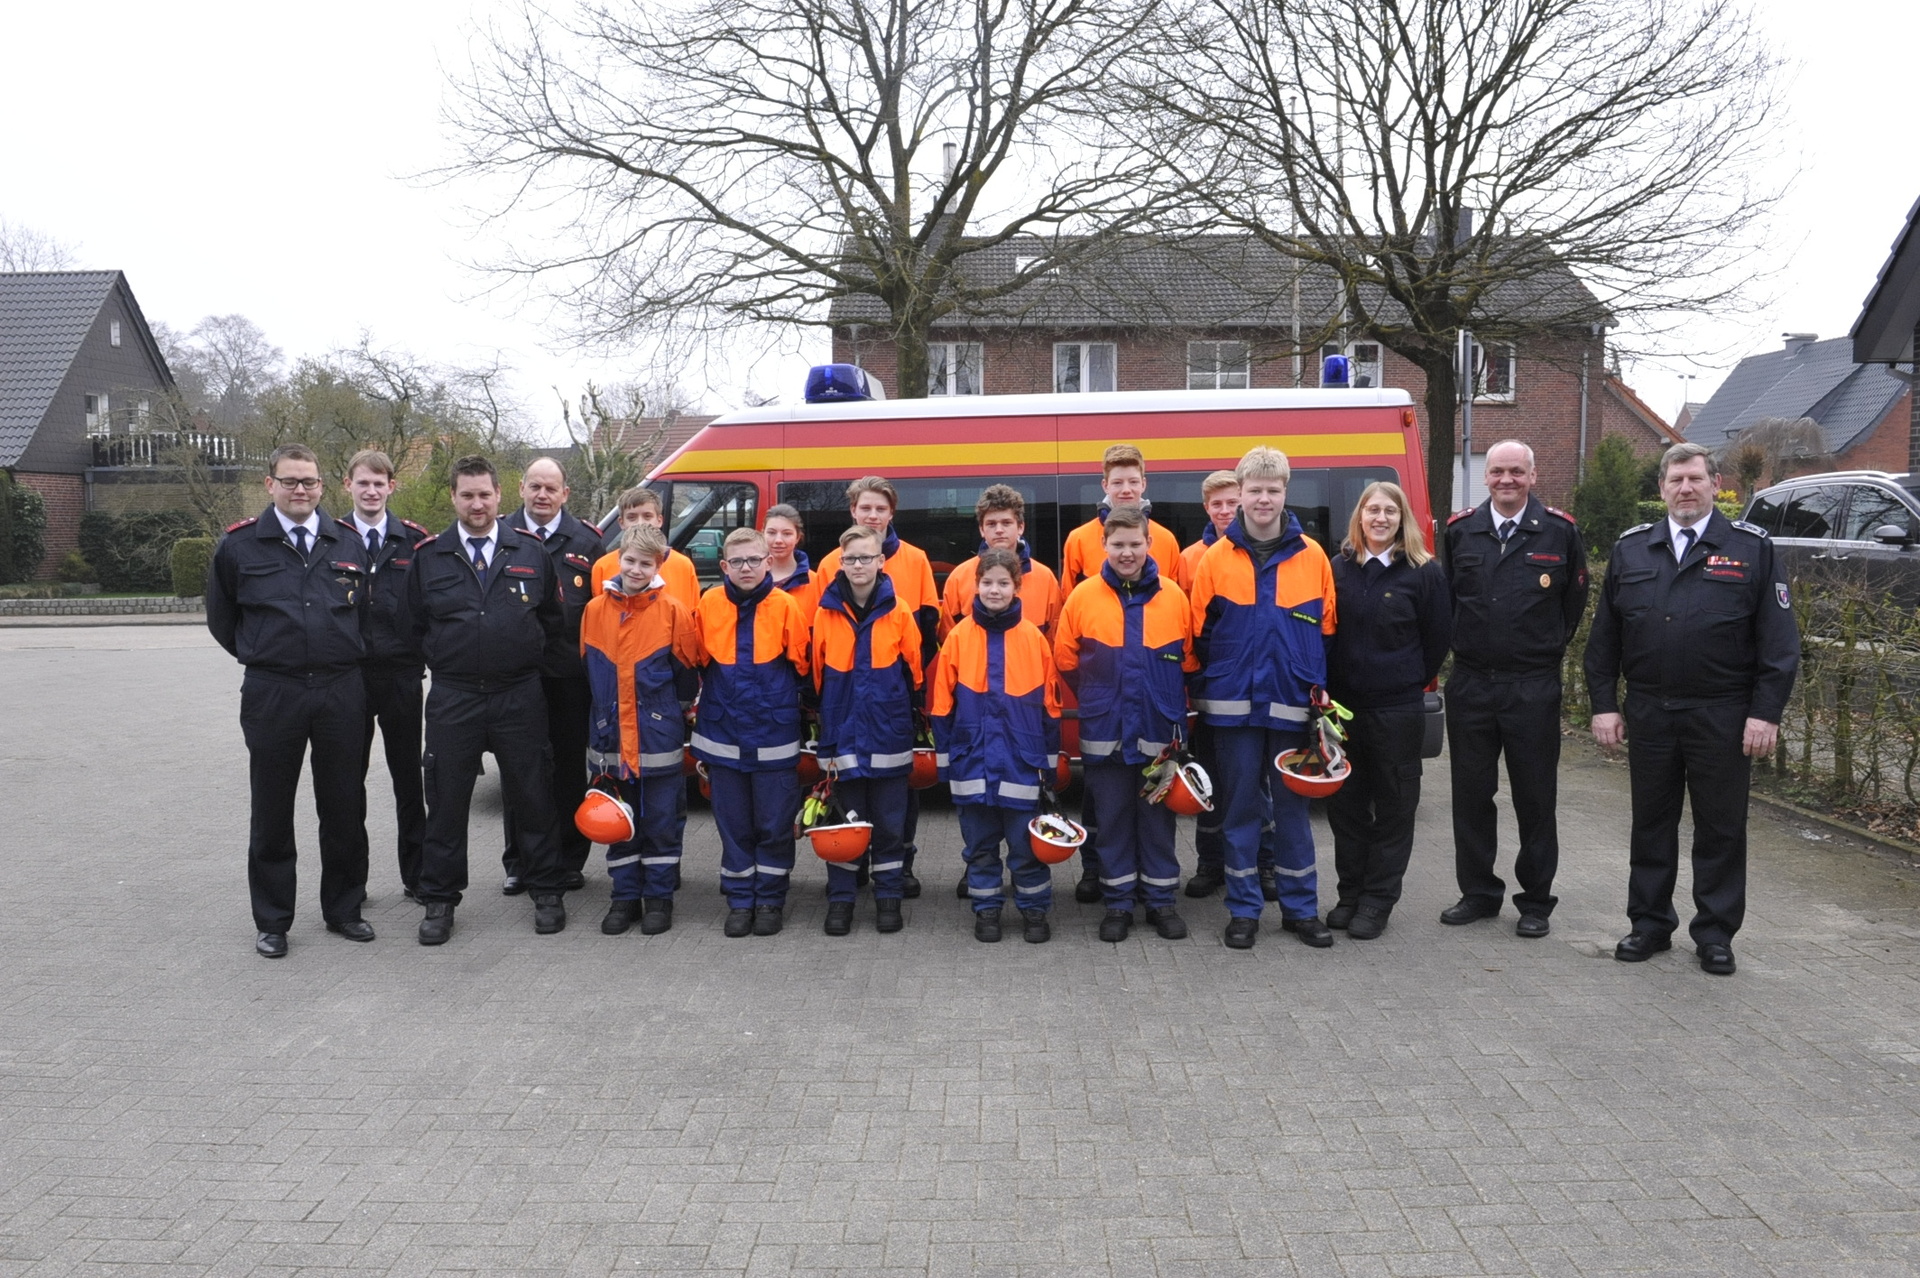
(287, 596)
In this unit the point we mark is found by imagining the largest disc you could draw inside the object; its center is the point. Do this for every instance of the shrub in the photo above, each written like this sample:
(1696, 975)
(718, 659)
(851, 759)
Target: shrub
(75, 568)
(135, 552)
(1605, 500)
(23, 530)
(191, 555)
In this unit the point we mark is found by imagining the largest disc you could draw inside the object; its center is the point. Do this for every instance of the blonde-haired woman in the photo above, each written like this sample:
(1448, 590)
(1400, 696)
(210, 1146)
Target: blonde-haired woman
(1396, 623)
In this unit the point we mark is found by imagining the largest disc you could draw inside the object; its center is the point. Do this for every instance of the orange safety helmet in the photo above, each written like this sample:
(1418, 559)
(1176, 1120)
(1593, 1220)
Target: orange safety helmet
(687, 762)
(926, 768)
(604, 818)
(1062, 773)
(706, 782)
(1190, 792)
(1054, 838)
(841, 843)
(809, 766)
(1311, 779)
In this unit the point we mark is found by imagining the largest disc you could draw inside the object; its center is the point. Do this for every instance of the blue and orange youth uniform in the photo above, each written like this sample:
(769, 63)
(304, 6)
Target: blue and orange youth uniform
(1085, 549)
(995, 701)
(1040, 597)
(1126, 648)
(1261, 618)
(676, 570)
(866, 668)
(803, 585)
(747, 731)
(642, 653)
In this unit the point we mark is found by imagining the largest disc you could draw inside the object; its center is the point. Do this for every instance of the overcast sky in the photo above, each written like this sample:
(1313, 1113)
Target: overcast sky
(258, 158)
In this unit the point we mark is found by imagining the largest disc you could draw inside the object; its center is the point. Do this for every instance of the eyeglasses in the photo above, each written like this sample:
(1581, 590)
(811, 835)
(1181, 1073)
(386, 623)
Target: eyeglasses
(311, 485)
(860, 561)
(748, 561)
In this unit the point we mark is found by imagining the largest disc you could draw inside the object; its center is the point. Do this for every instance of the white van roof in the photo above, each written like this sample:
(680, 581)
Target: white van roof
(1057, 405)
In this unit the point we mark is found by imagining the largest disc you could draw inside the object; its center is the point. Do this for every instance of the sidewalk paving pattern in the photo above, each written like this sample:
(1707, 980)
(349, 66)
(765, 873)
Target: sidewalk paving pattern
(1440, 1101)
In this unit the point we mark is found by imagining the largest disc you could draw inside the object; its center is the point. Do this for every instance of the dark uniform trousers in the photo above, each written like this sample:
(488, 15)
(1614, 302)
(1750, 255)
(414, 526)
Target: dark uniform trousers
(1694, 754)
(1519, 716)
(280, 716)
(394, 696)
(466, 717)
(1372, 815)
(569, 704)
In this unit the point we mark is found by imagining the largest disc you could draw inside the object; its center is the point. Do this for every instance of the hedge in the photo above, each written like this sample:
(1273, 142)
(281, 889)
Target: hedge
(191, 555)
(23, 530)
(135, 552)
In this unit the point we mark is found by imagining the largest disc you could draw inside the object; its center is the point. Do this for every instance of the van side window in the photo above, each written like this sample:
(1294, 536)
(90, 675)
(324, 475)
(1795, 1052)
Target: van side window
(934, 514)
(700, 518)
(1765, 513)
(1813, 512)
(1322, 498)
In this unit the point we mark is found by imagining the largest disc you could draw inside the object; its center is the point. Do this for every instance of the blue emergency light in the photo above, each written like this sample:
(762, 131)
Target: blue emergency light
(1336, 370)
(841, 383)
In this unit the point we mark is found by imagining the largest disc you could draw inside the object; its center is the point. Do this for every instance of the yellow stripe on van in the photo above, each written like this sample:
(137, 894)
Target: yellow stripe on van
(1038, 452)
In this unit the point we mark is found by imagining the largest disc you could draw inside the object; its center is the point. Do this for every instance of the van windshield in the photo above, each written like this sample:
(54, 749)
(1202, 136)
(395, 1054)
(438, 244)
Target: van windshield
(1322, 498)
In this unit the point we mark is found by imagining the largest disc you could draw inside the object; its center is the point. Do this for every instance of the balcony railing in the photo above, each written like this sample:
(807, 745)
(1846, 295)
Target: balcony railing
(158, 448)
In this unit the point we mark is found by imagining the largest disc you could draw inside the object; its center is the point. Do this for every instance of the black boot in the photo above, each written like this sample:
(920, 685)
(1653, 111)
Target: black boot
(619, 917)
(986, 924)
(656, 915)
(1115, 926)
(1206, 880)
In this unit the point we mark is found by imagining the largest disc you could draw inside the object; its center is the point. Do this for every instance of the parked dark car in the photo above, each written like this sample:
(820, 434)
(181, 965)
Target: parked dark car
(1847, 529)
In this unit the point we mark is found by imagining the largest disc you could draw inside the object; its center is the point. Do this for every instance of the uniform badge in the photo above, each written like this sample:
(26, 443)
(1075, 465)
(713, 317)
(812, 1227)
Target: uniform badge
(1780, 593)
(1546, 580)
(579, 580)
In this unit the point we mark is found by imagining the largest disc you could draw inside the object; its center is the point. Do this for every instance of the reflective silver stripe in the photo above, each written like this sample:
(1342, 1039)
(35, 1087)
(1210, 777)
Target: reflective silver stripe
(1038, 887)
(891, 760)
(942, 759)
(773, 869)
(736, 874)
(1122, 881)
(1053, 760)
(1293, 714)
(967, 787)
(1097, 747)
(974, 891)
(1293, 874)
(1206, 706)
(1009, 790)
(659, 860)
(715, 747)
(599, 760)
(661, 758)
(881, 866)
(768, 754)
(839, 761)
(1151, 749)
(625, 860)
(1243, 874)
(1159, 882)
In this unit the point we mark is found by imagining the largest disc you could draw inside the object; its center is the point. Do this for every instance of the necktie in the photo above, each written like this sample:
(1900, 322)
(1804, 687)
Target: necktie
(1506, 531)
(479, 545)
(373, 542)
(541, 533)
(300, 540)
(1686, 544)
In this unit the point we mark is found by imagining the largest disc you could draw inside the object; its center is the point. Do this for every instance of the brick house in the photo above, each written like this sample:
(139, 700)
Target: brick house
(76, 358)
(1225, 311)
(1888, 333)
(1863, 410)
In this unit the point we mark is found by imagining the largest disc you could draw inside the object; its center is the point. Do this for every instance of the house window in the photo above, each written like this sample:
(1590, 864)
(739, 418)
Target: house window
(1365, 361)
(113, 332)
(955, 368)
(97, 418)
(1218, 365)
(1083, 366)
(1493, 374)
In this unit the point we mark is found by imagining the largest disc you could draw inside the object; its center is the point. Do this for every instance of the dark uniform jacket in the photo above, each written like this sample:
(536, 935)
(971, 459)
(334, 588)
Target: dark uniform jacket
(573, 548)
(1717, 629)
(496, 636)
(1395, 624)
(388, 642)
(274, 611)
(1514, 613)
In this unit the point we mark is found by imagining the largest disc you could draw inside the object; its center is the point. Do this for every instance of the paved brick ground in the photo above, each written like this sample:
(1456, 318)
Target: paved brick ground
(1441, 1101)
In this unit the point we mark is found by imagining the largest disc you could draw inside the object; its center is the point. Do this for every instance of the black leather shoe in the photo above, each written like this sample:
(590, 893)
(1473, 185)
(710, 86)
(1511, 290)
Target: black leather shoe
(656, 915)
(839, 918)
(1532, 926)
(960, 892)
(1469, 909)
(1339, 916)
(986, 925)
(549, 914)
(513, 885)
(886, 915)
(1716, 959)
(1087, 890)
(739, 924)
(1638, 947)
(437, 926)
(352, 929)
(1240, 933)
(574, 881)
(1035, 930)
(1115, 926)
(909, 886)
(1365, 925)
(767, 920)
(1270, 886)
(1310, 931)
(1168, 924)
(271, 945)
(619, 917)
(1206, 880)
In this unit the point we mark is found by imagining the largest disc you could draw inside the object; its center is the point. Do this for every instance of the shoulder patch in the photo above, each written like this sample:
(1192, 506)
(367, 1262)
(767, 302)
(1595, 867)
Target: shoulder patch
(516, 529)
(426, 541)
(592, 528)
(348, 523)
(417, 528)
(248, 521)
(1555, 510)
(1635, 529)
(1459, 515)
(1744, 526)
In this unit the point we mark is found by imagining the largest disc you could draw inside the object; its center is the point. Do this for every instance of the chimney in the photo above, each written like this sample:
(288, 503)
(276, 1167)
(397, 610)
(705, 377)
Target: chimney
(950, 157)
(1798, 342)
(1463, 230)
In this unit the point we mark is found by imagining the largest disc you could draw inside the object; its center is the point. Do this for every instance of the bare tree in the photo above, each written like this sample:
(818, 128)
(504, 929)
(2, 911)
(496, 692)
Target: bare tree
(1772, 449)
(24, 249)
(725, 161)
(231, 362)
(612, 445)
(1607, 146)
